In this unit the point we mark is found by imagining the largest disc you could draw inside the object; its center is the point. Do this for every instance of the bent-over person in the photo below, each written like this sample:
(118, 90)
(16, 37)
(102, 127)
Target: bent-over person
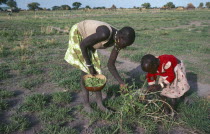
(85, 38)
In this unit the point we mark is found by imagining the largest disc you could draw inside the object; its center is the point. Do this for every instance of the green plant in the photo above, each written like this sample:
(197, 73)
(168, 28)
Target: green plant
(4, 71)
(30, 70)
(20, 122)
(4, 51)
(112, 129)
(94, 82)
(62, 97)
(35, 103)
(30, 84)
(196, 114)
(62, 75)
(17, 122)
(6, 94)
(3, 105)
(56, 129)
(54, 114)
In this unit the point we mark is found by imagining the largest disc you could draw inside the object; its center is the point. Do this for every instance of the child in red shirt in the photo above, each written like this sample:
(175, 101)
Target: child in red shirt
(172, 74)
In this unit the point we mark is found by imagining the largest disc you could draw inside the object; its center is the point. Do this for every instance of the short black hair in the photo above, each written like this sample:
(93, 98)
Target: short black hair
(128, 34)
(148, 61)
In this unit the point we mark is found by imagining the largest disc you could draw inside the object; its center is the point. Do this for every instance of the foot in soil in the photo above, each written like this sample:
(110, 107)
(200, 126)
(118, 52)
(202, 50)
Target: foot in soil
(88, 109)
(102, 108)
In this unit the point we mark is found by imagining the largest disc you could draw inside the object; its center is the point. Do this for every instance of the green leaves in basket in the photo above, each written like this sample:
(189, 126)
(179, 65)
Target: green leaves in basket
(94, 82)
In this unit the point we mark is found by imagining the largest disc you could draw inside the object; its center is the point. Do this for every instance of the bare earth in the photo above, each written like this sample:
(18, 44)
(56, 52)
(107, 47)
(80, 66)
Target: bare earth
(81, 122)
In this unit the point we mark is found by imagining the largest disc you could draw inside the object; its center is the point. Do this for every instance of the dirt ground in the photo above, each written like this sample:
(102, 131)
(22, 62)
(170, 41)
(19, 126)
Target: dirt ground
(81, 122)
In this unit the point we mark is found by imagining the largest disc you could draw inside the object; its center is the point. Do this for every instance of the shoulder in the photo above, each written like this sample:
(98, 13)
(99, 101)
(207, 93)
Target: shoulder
(103, 31)
(166, 60)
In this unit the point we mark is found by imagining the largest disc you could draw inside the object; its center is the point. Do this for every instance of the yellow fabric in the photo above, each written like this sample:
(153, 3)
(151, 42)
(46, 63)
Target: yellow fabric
(74, 54)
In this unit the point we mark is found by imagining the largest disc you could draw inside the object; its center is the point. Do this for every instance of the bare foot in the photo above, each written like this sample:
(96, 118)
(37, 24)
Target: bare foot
(104, 109)
(88, 109)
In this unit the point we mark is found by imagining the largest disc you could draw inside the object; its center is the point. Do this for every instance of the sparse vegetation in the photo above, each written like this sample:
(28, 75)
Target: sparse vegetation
(34, 75)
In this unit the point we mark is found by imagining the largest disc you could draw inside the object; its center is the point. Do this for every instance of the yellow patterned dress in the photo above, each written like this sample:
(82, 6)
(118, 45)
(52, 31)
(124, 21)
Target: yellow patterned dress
(74, 54)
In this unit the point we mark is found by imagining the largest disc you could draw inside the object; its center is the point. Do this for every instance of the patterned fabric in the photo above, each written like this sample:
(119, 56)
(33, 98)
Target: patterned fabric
(179, 86)
(74, 54)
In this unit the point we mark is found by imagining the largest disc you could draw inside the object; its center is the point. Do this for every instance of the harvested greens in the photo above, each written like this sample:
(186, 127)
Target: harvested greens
(94, 82)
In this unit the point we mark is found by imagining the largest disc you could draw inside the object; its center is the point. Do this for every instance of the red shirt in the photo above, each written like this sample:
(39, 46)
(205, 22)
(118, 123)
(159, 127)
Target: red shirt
(165, 69)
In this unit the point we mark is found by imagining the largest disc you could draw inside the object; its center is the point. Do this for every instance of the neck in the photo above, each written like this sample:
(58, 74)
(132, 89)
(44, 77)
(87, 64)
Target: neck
(115, 36)
(158, 61)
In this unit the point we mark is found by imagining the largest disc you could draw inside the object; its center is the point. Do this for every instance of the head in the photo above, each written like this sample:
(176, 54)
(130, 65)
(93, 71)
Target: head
(125, 37)
(149, 63)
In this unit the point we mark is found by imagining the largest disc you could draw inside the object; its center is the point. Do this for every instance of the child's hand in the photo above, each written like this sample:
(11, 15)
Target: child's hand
(154, 88)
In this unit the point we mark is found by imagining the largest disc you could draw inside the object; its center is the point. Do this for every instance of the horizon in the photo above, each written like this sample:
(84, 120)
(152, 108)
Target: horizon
(106, 3)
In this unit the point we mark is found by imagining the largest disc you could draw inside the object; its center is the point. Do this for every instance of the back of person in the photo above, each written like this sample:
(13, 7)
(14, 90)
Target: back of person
(88, 27)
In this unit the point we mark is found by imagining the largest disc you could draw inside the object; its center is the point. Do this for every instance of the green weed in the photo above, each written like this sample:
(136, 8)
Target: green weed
(4, 51)
(113, 129)
(31, 83)
(6, 94)
(48, 44)
(20, 122)
(56, 129)
(34, 103)
(54, 114)
(17, 123)
(196, 114)
(67, 78)
(3, 104)
(32, 70)
(136, 57)
(61, 97)
(4, 71)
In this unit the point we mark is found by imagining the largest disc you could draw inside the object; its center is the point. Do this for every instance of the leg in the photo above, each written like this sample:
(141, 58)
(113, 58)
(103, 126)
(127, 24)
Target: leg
(99, 101)
(85, 95)
(173, 104)
(165, 106)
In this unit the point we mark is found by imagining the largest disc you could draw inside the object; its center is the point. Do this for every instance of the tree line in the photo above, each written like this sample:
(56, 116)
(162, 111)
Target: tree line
(76, 5)
(171, 5)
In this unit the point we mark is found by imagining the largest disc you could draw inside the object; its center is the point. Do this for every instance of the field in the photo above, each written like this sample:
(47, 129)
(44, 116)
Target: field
(40, 91)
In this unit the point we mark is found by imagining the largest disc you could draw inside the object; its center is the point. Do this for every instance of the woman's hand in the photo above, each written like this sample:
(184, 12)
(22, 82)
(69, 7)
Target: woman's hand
(124, 88)
(92, 70)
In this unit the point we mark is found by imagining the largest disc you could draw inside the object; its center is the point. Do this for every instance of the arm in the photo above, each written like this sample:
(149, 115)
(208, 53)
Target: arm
(151, 78)
(102, 33)
(112, 67)
(169, 71)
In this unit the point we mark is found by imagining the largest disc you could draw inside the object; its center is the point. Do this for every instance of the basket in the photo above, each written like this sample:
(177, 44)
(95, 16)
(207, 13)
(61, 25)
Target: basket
(93, 89)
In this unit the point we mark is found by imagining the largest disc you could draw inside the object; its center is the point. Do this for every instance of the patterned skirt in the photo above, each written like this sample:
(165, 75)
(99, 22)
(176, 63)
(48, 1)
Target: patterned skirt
(74, 54)
(179, 86)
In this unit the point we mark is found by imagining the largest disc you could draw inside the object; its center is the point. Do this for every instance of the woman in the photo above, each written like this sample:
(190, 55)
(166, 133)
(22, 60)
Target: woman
(85, 38)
